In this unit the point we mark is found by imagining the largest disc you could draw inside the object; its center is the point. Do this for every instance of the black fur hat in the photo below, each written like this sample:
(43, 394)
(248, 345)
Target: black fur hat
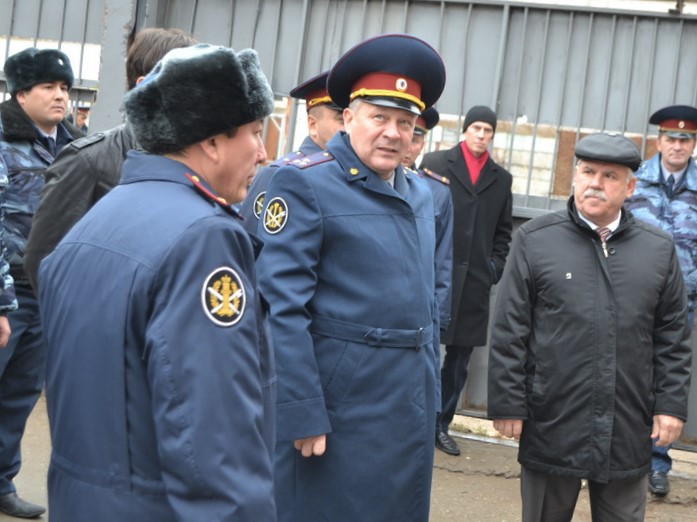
(194, 93)
(32, 66)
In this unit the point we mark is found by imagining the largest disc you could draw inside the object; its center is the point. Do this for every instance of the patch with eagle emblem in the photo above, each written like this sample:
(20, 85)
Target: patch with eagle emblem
(258, 205)
(275, 215)
(223, 296)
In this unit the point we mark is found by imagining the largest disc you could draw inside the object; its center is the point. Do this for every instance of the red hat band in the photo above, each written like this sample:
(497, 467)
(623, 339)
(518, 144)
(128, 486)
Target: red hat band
(678, 126)
(388, 85)
(313, 98)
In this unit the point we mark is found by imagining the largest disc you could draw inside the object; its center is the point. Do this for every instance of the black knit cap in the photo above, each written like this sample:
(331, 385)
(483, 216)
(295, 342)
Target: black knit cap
(32, 66)
(480, 113)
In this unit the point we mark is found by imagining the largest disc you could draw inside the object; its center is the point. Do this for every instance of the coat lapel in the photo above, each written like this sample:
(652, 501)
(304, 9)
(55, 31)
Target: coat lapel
(457, 168)
(487, 176)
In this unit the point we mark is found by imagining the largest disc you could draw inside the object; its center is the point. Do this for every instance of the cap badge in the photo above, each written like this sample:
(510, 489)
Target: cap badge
(223, 297)
(258, 204)
(401, 85)
(275, 216)
(681, 124)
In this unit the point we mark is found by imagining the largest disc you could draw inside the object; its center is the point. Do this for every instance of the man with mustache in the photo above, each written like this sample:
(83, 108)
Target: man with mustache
(666, 196)
(590, 354)
(348, 270)
(33, 130)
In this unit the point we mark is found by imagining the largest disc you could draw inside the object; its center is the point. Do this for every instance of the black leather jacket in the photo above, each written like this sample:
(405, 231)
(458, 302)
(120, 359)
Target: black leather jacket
(83, 172)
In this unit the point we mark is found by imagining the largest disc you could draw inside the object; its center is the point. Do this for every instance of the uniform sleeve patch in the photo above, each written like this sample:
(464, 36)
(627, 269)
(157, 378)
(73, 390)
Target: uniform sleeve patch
(223, 297)
(275, 216)
(258, 205)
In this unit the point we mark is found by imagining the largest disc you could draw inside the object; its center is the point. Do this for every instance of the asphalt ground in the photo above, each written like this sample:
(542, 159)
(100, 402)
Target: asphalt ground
(480, 485)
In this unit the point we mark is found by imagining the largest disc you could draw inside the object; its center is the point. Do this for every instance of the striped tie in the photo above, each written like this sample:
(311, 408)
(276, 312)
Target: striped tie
(604, 233)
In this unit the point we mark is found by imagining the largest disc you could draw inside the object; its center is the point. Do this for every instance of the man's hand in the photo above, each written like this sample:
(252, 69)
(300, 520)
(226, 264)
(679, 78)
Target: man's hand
(666, 429)
(510, 428)
(312, 445)
(4, 331)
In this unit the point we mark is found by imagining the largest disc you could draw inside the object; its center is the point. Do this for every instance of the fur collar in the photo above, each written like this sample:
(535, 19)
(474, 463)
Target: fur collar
(17, 126)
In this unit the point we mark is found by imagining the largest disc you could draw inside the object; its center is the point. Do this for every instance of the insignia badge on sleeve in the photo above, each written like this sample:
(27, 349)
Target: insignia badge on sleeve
(259, 204)
(223, 296)
(275, 216)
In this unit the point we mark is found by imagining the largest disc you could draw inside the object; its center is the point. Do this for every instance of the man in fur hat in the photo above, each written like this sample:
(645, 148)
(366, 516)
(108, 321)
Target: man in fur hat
(33, 130)
(159, 383)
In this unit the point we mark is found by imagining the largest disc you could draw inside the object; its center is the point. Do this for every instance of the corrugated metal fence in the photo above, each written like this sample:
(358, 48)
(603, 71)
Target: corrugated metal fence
(552, 73)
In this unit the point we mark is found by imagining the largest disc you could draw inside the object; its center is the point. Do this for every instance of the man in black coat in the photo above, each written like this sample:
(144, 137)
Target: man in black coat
(590, 348)
(482, 200)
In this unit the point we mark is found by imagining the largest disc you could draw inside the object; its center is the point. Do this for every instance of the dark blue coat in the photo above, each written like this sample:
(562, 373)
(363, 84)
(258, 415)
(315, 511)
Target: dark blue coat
(348, 269)
(443, 203)
(253, 203)
(159, 386)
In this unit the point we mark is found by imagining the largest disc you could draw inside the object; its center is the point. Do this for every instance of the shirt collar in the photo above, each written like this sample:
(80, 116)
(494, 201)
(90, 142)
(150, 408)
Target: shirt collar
(612, 226)
(676, 175)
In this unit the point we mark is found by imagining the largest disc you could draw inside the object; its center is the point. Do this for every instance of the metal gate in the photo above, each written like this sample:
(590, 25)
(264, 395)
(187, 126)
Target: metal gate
(552, 73)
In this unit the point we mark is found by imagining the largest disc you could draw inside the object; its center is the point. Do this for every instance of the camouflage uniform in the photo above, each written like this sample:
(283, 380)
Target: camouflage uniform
(24, 156)
(675, 215)
(8, 302)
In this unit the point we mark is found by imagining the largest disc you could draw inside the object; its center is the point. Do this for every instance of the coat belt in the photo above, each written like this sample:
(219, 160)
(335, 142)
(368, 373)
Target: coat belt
(370, 335)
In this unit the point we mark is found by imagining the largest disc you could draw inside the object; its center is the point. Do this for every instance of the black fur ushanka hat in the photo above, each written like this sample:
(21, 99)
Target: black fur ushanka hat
(32, 66)
(194, 93)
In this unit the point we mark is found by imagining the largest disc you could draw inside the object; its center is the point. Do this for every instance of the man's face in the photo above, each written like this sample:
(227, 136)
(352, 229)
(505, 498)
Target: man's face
(380, 136)
(323, 123)
(239, 156)
(478, 136)
(415, 148)
(80, 118)
(600, 190)
(675, 152)
(45, 104)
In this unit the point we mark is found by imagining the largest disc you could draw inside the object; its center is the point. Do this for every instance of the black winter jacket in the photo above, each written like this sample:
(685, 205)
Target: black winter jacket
(587, 348)
(82, 173)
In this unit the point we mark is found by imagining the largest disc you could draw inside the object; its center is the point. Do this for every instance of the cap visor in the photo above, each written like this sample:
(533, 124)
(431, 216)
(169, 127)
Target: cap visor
(394, 103)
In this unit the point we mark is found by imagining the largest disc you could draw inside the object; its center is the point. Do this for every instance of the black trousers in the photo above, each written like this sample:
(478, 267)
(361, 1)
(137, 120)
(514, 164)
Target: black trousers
(453, 376)
(550, 498)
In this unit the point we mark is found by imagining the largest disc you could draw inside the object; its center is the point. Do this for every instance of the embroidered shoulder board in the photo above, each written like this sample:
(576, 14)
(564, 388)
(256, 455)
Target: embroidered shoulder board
(284, 160)
(313, 159)
(81, 143)
(411, 171)
(209, 196)
(433, 175)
